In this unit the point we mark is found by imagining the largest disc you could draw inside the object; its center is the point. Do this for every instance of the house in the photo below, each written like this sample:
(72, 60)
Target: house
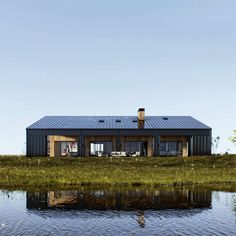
(118, 135)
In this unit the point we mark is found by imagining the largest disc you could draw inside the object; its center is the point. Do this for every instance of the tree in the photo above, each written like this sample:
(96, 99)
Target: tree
(233, 138)
(215, 143)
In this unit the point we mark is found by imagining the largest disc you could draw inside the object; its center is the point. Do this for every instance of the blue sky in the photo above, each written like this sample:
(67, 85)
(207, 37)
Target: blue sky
(112, 57)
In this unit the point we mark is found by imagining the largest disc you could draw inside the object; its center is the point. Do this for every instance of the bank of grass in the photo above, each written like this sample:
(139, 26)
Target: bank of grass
(28, 173)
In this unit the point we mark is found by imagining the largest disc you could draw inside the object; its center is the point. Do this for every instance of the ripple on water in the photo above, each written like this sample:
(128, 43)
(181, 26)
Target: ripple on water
(217, 219)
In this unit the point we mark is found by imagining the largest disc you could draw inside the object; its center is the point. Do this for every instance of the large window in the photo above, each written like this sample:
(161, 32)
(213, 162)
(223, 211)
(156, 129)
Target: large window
(103, 148)
(136, 148)
(171, 148)
(69, 148)
(64, 149)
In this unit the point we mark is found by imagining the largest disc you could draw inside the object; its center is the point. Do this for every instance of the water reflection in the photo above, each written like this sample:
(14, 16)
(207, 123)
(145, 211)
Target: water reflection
(117, 212)
(141, 219)
(125, 200)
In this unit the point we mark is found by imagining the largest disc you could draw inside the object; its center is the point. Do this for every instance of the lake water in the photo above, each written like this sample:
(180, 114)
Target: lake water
(118, 212)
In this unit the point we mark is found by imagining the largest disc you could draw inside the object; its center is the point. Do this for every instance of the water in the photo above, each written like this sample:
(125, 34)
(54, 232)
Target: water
(118, 212)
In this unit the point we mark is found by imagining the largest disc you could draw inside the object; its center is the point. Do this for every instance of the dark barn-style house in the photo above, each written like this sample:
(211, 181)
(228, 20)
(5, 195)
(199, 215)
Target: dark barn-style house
(140, 135)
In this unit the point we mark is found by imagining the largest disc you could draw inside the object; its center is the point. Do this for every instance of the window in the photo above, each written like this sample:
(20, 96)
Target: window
(165, 118)
(171, 148)
(118, 121)
(69, 148)
(134, 147)
(103, 148)
(101, 121)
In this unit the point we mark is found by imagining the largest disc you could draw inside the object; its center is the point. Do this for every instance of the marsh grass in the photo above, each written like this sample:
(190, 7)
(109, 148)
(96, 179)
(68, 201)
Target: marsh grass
(23, 172)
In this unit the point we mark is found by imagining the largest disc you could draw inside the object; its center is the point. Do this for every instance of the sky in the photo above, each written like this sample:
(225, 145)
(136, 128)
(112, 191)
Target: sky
(112, 57)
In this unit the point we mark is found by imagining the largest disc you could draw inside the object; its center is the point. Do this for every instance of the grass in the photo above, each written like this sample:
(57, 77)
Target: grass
(31, 173)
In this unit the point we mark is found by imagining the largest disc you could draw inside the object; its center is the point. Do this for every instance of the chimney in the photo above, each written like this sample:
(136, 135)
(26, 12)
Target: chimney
(141, 117)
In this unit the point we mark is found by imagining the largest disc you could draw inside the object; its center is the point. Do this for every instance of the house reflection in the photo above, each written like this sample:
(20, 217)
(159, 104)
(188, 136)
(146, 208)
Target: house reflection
(125, 200)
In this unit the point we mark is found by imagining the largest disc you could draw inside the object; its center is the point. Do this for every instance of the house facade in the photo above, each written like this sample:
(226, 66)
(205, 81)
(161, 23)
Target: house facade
(139, 135)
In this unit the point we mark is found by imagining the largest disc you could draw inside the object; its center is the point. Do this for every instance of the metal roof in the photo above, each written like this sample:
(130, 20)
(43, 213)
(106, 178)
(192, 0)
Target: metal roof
(117, 122)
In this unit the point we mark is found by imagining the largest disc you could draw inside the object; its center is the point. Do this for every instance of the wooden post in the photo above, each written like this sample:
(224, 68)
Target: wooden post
(185, 149)
(52, 146)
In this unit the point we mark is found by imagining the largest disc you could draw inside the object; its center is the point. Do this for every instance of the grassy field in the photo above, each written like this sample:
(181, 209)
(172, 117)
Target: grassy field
(30, 173)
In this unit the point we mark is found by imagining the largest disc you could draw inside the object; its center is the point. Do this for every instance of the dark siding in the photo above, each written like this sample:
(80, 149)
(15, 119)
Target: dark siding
(190, 145)
(198, 145)
(194, 145)
(36, 145)
(205, 145)
(118, 142)
(79, 146)
(82, 145)
(202, 145)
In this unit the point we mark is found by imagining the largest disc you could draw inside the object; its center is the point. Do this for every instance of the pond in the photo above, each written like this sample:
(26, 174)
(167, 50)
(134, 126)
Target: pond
(118, 212)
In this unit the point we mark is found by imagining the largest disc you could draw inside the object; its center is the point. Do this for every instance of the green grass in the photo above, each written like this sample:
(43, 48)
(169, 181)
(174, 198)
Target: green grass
(24, 173)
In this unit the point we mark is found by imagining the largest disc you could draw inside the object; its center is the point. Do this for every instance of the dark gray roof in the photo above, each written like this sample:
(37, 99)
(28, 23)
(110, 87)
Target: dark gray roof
(110, 122)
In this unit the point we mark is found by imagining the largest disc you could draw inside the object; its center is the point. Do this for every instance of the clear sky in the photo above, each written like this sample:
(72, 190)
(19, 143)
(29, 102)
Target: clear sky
(111, 57)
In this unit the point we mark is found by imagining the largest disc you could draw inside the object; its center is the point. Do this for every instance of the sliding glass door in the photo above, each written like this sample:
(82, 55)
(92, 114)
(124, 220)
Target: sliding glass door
(103, 148)
(138, 148)
(171, 148)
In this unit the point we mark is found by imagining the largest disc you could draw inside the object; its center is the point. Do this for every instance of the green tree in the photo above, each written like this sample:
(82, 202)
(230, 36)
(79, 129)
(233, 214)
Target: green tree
(233, 137)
